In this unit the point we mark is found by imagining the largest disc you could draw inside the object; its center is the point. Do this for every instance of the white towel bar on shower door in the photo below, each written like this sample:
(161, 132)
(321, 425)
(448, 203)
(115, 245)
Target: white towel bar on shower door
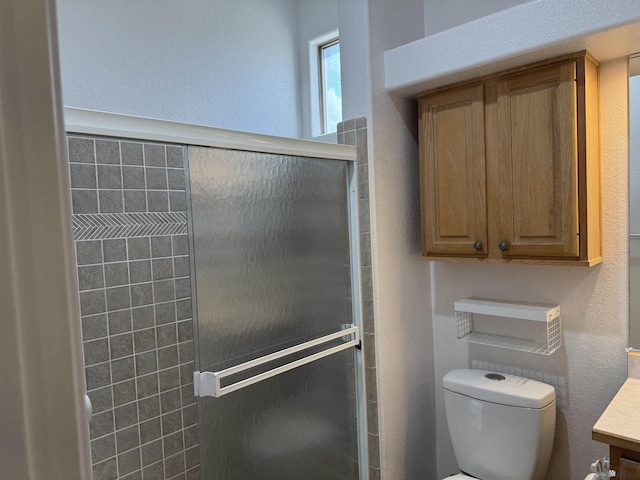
(207, 384)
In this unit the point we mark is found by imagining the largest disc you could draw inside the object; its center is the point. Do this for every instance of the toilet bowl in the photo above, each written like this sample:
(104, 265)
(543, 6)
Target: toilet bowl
(501, 426)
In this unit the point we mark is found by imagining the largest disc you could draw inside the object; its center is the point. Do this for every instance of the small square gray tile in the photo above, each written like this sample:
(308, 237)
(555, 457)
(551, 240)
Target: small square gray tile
(114, 250)
(101, 399)
(81, 150)
(186, 352)
(171, 422)
(183, 309)
(165, 313)
(101, 424)
(183, 288)
(119, 322)
(187, 395)
(109, 177)
(166, 335)
(144, 340)
(157, 201)
(127, 439)
(135, 201)
(186, 373)
(88, 252)
(168, 357)
(110, 201)
(161, 246)
(169, 379)
(107, 152)
(107, 470)
(150, 430)
(190, 437)
(185, 331)
(177, 202)
(131, 153)
(141, 294)
(164, 290)
(96, 351)
(189, 415)
(126, 415)
(92, 302)
(142, 317)
(140, 271)
(103, 448)
(180, 245)
(94, 326)
(147, 385)
(121, 345)
(98, 376)
(118, 298)
(133, 178)
(154, 155)
(124, 392)
(156, 178)
(170, 400)
(181, 266)
(122, 369)
(149, 407)
(90, 277)
(193, 474)
(116, 274)
(174, 156)
(173, 443)
(152, 453)
(162, 268)
(129, 461)
(175, 179)
(146, 363)
(84, 201)
(83, 175)
(192, 457)
(139, 248)
(154, 472)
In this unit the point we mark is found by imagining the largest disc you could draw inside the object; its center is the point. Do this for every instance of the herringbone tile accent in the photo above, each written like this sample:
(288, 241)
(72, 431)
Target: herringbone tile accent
(101, 226)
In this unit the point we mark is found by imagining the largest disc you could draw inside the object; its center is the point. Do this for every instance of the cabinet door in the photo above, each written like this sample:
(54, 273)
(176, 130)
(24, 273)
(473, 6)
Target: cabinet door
(629, 470)
(453, 178)
(538, 193)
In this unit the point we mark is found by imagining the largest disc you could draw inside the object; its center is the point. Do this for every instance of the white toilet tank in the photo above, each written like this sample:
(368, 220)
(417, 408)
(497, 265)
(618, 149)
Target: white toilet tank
(501, 426)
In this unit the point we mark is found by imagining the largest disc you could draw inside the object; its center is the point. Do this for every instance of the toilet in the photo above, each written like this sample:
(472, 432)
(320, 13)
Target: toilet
(501, 426)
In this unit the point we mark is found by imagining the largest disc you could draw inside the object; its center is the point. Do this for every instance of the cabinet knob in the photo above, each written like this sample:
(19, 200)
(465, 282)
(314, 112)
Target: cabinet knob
(503, 246)
(478, 245)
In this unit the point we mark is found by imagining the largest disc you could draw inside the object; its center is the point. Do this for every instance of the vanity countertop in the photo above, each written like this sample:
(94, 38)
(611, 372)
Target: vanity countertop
(619, 425)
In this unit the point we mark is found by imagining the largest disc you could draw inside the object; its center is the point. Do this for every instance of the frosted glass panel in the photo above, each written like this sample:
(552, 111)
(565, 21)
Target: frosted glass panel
(271, 249)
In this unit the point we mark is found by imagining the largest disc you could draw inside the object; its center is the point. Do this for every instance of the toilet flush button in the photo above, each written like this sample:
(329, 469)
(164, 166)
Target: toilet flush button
(495, 376)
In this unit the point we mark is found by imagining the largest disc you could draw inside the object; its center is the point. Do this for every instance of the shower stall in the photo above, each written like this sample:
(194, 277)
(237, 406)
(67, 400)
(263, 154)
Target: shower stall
(220, 301)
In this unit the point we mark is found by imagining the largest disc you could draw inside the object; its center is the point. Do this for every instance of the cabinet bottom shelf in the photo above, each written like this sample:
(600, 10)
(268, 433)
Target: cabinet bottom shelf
(513, 343)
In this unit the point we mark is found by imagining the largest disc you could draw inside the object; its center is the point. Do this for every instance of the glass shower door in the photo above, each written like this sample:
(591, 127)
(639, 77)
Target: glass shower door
(272, 271)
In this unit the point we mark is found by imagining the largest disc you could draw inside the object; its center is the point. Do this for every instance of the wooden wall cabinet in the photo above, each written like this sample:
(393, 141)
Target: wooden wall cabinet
(510, 166)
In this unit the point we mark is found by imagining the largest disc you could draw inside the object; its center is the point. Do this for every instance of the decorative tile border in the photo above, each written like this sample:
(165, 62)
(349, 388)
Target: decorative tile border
(102, 226)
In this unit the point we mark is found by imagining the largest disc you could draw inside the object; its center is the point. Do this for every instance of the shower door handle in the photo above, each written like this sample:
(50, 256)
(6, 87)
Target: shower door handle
(208, 384)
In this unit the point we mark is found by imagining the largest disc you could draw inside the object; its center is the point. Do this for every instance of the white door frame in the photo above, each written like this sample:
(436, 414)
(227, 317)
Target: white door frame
(44, 434)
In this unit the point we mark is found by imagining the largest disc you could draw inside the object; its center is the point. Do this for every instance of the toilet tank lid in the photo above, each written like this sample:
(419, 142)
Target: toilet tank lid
(499, 388)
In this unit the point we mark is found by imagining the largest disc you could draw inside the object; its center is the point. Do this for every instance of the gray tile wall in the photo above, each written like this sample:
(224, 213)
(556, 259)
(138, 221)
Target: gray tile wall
(129, 216)
(354, 132)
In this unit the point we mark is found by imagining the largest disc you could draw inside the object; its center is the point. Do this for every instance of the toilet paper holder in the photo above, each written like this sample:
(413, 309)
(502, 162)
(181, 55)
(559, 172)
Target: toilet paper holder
(601, 468)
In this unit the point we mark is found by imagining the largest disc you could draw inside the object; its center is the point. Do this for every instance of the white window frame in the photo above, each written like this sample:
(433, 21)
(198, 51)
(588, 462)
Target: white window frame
(315, 80)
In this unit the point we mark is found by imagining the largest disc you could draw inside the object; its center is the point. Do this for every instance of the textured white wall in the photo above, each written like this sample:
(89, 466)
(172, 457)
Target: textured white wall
(218, 63)
(403, 323)
(591, 365)
(439, 15)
